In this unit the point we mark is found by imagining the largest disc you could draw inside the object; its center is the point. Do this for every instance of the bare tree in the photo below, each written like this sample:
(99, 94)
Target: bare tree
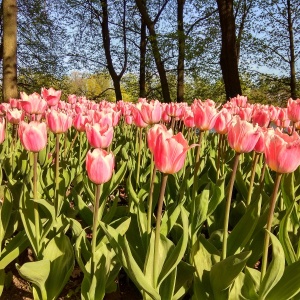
(9, 88)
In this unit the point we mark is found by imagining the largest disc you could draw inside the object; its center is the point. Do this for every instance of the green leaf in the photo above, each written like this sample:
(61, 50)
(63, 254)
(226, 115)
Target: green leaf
(239, 237)
(223, 273)
(275, 269)
(13, 249)
(59, 252)
(123, 251)
(5, 213)
(251, 283)
(37, 273)
(288, 286)
(284, 238)
(177, 253)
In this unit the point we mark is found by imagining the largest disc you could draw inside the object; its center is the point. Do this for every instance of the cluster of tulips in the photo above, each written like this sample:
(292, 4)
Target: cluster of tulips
(195, 221)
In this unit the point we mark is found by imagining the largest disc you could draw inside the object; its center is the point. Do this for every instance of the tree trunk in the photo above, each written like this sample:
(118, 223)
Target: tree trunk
(116, 78)
(10, 88)
(155, 50)
(292, 53)
(143, 48)
(228, 60)
(181, 51)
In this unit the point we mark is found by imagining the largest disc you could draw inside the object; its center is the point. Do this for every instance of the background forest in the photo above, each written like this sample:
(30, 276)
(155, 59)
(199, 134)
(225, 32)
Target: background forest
(170, 50)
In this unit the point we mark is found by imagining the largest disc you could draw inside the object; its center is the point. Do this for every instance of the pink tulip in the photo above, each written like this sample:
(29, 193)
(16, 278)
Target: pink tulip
(79, 122)
(128, 119)
(33, 136)
(151, 112)
(72, 99)
(100, 165)
(174, 110)
(205, 114)
(222, 120)
(188, 119)
(170, 153)
(242, 135)
(137, 116)
(2, 130)
(261, 116)
(98, 136)
(58, 122)
(51, 96)
(293, 110)
(153, 134)
(33, 104)
(240, 101)
(14, 116)
(282, 151)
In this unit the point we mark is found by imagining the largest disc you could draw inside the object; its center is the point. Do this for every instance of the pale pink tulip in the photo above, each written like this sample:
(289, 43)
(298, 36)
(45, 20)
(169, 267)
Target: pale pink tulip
(33, 104)
(261, 117)
(293, 110)
(14, 116)
(79, 122)
(282, 151)
(98, 136)
(153, 134)
(2, 130)
(170, 153)
(100, 165)
(58, 122)
(205, 114)
(151, 112)
(51, 96)
(33, 136)
(242, 135)
(222, 120)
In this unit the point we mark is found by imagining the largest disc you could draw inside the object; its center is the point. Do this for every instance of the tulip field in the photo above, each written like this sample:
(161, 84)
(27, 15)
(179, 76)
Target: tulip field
(190, 201)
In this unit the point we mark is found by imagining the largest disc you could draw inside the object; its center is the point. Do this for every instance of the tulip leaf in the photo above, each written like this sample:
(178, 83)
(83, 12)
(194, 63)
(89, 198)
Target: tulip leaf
(13, 249)
(124, 254)
(218, 194)
(59, 252)
(223, 273)
(5, 213)
(251, 283)
(284, 238)
(169, 218)
(84, 211)
(288, 285)
(239, 237)
(167, 287)
(37, 273)
(2, 280)
(275, 269)
(177, 253)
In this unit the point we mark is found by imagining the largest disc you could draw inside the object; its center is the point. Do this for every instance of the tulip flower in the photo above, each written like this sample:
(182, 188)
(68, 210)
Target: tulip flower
(153, 134)
(242, 135)
(282, 151)
(151, 112)
(2, 130)
(137, 117)
(51, 96)
(261, 116)
(33, 104)
(14, 116)
(98, 136)
(170, 153)
(99, 165)
(293, 110)
(33, 135)
(222, 120)
(79, 122)
(58, 122)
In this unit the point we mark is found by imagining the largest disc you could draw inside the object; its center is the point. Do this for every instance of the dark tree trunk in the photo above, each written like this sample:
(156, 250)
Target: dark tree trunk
(228, 60)
(10, 89)
(116, 78)
(181, 51)
(143, 47)
(292, 53)
(155, 50)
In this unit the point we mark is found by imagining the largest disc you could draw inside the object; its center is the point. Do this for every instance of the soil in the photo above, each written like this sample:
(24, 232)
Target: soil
(20, 289)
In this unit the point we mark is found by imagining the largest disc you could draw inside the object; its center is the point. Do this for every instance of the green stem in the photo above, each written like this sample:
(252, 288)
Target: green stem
(139, 157)
(150, 198)
(253, 172)
(56, 195)
(228, 204)
(269, 225)
(36, 208)
(157, 229)
(197, 164)
(98, 189)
